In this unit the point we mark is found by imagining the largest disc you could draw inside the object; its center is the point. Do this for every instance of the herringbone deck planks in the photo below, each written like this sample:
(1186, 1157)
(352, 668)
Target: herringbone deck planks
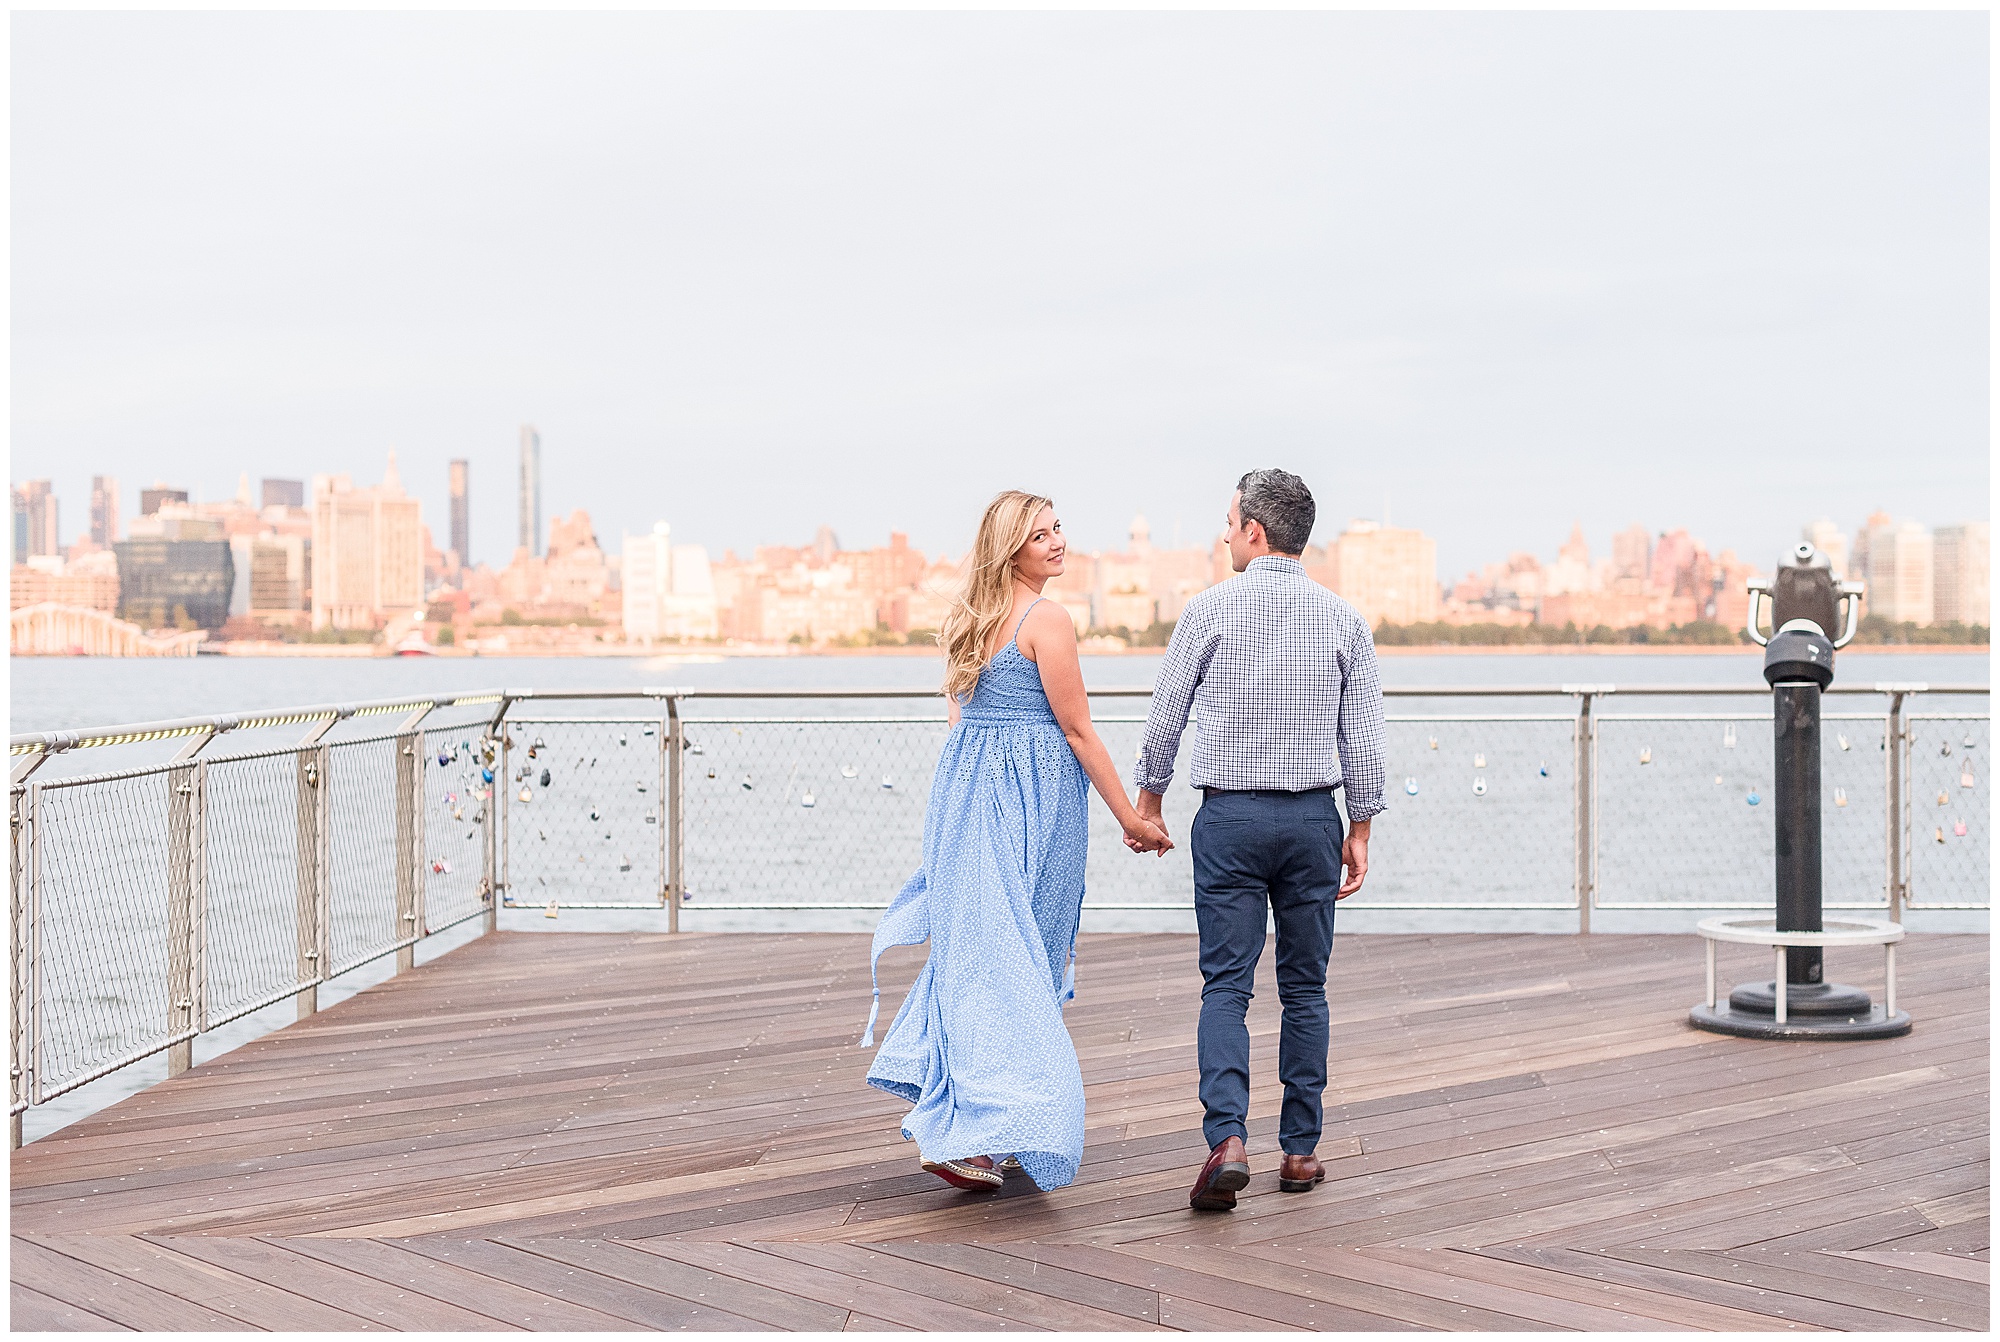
(606, 1132)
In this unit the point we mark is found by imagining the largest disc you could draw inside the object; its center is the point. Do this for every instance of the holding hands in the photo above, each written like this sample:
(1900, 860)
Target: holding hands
(1145, 836)
(1145, 831)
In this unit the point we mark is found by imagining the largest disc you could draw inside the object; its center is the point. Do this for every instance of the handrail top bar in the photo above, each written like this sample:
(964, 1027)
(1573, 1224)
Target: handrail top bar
(1390, 691)
(82, 738)
(79, 738)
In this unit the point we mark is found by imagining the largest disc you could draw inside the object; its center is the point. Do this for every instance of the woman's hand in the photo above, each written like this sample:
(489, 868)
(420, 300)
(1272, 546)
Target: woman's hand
(1144, 836)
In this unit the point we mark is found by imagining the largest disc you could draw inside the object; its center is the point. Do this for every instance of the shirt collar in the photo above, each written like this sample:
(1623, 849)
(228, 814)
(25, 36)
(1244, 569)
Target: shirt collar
(1277, 563)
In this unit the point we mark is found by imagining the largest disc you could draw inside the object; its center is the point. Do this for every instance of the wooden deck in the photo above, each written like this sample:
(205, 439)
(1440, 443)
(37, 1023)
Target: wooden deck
(622, 1132)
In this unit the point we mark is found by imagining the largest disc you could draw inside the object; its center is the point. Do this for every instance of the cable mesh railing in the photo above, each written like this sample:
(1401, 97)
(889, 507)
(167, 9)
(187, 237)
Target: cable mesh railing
(453, 854)
(1950, 806)
(1504, 788)
(1685, 818)
(152, 903)
(365, 839)
(815, 811)
(107, 953)
(259, 900)
(20, 958)
(584, 806)
(828, 812)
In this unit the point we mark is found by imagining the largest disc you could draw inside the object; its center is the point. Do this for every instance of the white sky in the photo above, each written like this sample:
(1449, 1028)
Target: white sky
(751, 273)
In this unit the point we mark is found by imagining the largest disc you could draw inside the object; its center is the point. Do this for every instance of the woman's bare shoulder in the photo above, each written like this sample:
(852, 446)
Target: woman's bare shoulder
(1048, 625)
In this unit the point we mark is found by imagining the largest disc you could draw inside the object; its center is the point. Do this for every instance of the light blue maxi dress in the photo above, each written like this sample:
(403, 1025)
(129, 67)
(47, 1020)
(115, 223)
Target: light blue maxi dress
(979, 1047)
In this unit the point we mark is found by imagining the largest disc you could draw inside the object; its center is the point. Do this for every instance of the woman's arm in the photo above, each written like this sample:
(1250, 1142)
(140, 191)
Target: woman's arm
(1049, 640)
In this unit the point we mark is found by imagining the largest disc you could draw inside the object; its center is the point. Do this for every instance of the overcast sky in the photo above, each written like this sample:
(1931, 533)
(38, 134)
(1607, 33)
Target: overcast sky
(1486, 273)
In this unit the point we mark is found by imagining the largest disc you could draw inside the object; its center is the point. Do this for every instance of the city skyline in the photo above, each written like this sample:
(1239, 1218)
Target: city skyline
(1602, 537)
(495, 521)
(1507, 270)
(360, 557)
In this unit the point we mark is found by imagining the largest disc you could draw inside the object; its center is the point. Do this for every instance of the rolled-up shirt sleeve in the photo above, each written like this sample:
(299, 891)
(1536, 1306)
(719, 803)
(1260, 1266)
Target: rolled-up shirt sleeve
(1173, 697)
(1362, 729)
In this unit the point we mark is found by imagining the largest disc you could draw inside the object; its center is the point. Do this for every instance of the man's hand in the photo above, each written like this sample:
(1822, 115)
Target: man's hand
(1148, 804)
(1354, 856)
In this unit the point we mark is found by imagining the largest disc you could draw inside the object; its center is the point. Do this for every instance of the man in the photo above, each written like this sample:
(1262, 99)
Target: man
(1281, 676)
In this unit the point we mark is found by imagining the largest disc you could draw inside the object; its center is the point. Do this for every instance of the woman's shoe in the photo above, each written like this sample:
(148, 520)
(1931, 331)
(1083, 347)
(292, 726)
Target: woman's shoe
(1011, 1165)
(975, 1174)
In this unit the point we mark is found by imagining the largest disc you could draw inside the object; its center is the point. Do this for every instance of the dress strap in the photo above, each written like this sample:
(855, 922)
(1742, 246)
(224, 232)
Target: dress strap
(1024, 617)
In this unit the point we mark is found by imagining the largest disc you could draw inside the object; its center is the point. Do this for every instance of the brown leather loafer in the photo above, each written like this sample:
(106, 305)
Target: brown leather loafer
(1298, 1174)
(1227, 1170)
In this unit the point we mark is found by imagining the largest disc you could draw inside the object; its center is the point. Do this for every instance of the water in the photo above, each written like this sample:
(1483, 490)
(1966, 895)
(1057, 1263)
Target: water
(1495, 776)
(52, 693)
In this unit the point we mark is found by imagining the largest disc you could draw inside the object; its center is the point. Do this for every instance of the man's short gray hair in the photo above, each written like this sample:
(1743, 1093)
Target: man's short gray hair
(1281, 501)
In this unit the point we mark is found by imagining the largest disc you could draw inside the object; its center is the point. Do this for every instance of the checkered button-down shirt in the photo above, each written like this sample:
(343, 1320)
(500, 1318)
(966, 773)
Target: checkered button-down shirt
(1281, 676)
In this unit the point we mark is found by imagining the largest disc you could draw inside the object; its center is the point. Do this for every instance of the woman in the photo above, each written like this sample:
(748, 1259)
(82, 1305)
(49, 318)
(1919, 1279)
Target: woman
(979, 1046)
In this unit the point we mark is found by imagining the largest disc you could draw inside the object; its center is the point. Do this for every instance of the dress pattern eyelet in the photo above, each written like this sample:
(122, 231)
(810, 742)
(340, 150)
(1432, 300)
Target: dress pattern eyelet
(978, 1047)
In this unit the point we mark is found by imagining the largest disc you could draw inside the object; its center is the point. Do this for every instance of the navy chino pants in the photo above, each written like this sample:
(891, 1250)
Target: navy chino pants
(1255, 851)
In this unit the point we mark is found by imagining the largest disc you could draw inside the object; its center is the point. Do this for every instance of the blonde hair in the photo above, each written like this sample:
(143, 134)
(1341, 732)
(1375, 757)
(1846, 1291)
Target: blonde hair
(986, 595)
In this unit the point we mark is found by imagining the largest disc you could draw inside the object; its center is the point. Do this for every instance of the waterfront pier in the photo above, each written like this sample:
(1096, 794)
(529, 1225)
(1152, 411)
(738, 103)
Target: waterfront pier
(668, 1127)
(607, 1131)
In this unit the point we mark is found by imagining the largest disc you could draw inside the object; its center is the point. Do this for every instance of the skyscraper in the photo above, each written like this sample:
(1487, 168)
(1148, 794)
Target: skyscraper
(164, 582)
(461, 512)
(103, 511)
(1963, 584)
(1830, 541)
(531, 490)
(1632, 554)
(1673, 555)
(284, 493)
(35, 503)
(1896, 560)
(151, 499)
(669, 592)
(367, 560)
(648, 575)
(1386, 573)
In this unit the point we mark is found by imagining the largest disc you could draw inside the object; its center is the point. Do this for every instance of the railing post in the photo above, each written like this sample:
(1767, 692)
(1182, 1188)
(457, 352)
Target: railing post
(489, 851)
(1585, 818)
(309, 925)
(183, 874)
(1897, 831)
(198, 947)
(489, 873)
(675, 851)
(498, 795)
(408, 795)
(37, 1027)
(20, 940)
(420, 843)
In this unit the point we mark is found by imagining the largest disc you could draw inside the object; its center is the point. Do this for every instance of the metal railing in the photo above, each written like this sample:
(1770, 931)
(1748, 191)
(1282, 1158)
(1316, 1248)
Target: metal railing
(152, 903)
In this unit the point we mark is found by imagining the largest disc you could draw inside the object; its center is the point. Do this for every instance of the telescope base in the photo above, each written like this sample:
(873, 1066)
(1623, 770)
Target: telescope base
(1871, 1023)
(1801, 999)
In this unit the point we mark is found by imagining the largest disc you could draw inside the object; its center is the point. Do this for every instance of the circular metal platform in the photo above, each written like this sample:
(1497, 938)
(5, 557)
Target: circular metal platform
(1776, 1009)
(1877, 1024)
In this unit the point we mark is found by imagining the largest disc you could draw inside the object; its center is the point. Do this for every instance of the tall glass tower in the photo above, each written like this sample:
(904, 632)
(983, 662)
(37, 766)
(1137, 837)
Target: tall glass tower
(104, 511)
(531, 490)
(461, 511)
